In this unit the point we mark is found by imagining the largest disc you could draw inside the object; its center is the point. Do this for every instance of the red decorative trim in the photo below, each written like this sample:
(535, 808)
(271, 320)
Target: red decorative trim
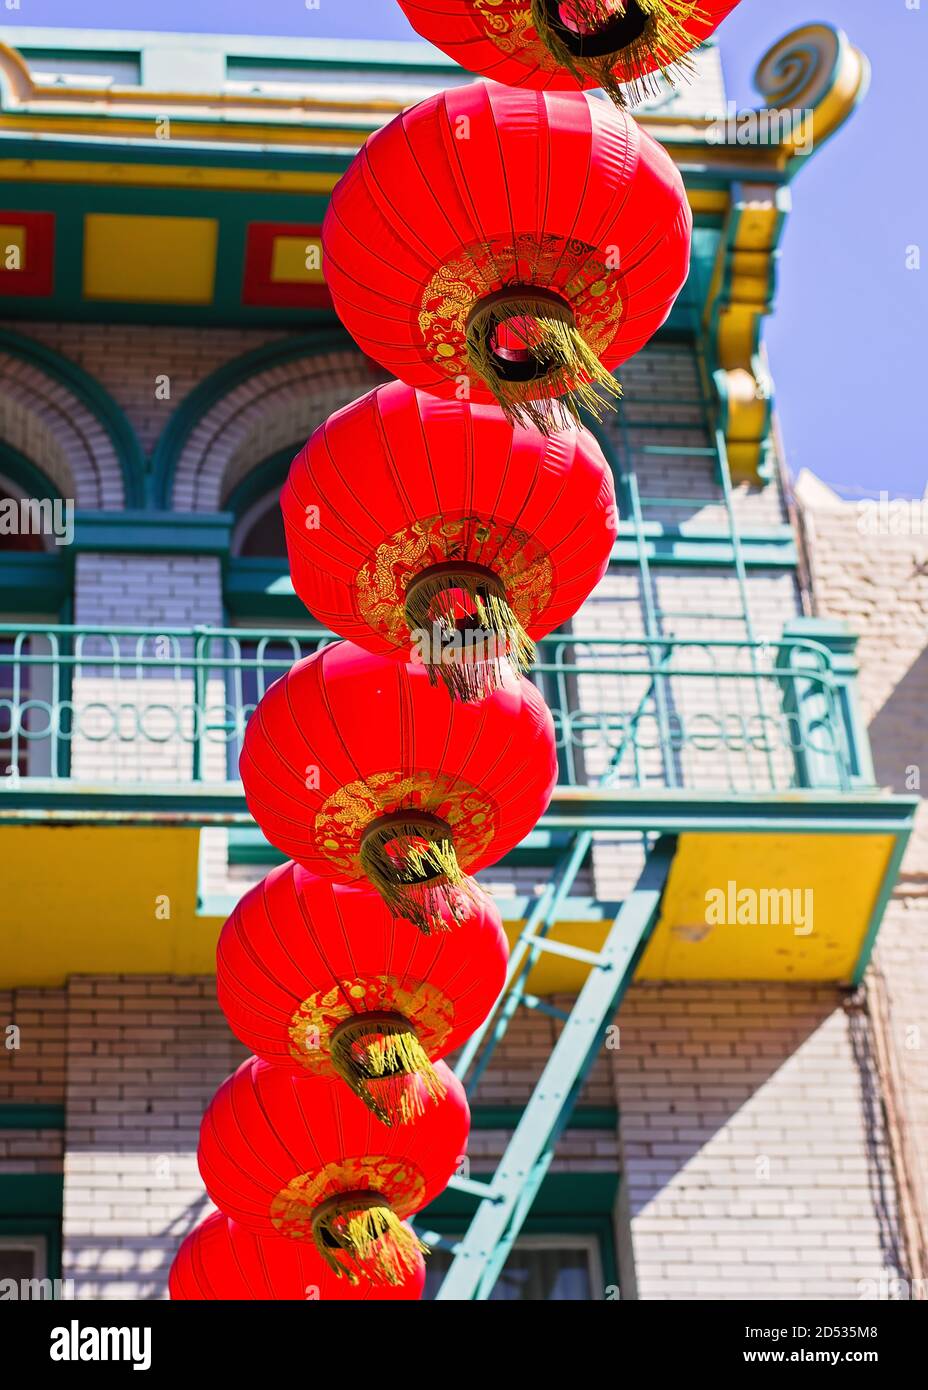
(37, 278)
(257, 286)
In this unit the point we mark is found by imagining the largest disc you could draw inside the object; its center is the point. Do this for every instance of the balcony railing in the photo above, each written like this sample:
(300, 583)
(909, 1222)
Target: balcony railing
(114, 705)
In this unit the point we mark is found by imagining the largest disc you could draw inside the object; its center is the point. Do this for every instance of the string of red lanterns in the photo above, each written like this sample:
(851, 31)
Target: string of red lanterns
(526, 243)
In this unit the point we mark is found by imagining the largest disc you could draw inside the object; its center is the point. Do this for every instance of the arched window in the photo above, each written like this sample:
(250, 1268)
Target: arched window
(260, 532)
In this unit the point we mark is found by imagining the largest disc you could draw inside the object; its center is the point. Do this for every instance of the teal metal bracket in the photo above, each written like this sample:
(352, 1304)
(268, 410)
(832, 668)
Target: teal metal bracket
(504, 1202)
(806, 702)
(61, 801)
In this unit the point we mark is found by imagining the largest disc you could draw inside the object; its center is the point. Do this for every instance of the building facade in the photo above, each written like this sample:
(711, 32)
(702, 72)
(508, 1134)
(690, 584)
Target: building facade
(752, 1121)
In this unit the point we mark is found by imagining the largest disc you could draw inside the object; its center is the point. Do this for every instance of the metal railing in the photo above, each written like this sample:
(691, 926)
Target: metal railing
(118, 705)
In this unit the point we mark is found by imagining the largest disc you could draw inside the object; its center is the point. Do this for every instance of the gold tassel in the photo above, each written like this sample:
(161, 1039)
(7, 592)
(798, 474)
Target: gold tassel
(358, 1233)
(410, 859)
(561, 375)
(650, 39)
(382, 1060)
(494, 630)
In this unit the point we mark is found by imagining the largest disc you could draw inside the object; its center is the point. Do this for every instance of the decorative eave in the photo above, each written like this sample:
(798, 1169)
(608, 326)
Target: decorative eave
(265, 163)
(819, 76)
(833, 76)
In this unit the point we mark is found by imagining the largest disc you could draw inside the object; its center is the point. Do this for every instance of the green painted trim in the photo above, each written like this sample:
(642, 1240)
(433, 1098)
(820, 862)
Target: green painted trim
(92, 395)
(890, 879)
(255, 587)
(434, 63)
(92, 55)
(31, 1194)
(560, 1194)
(683, 547)
(203, 397)
(35, 582)
(38, 800)
(154, 533)
(29, 1115)
(233, 209)
(590, 1117)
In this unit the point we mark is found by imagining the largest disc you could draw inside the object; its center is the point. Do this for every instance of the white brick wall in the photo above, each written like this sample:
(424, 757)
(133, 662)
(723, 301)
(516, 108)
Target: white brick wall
(879, 584)
(113, 707)
(752, 1166)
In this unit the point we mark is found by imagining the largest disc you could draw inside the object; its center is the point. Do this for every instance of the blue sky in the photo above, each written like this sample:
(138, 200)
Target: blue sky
(847, 342)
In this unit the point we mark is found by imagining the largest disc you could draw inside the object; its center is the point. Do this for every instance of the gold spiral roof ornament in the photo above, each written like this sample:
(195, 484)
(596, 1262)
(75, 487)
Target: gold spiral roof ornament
(817, 71)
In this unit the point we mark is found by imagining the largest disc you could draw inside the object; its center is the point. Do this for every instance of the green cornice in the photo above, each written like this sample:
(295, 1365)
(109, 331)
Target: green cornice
(95, 398)
(154, 533)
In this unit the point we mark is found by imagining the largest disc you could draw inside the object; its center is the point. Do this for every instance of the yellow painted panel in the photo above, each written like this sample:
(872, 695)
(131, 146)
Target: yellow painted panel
(13, 239)
(289, 257)
(151, 260)
(81, 900)
(87, 900)
(842, 872)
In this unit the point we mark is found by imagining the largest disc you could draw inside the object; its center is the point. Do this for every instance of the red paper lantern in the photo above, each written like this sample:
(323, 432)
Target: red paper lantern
(618, 45)
(508, 244)
(434, 529)
(355, 765)
(300, 1156)
(321, 977)
(224, 1262)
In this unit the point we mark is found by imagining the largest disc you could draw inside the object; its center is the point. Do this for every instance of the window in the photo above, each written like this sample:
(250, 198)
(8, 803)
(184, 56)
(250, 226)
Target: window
(23, 1257)
(540, 1269)
(261, 531)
